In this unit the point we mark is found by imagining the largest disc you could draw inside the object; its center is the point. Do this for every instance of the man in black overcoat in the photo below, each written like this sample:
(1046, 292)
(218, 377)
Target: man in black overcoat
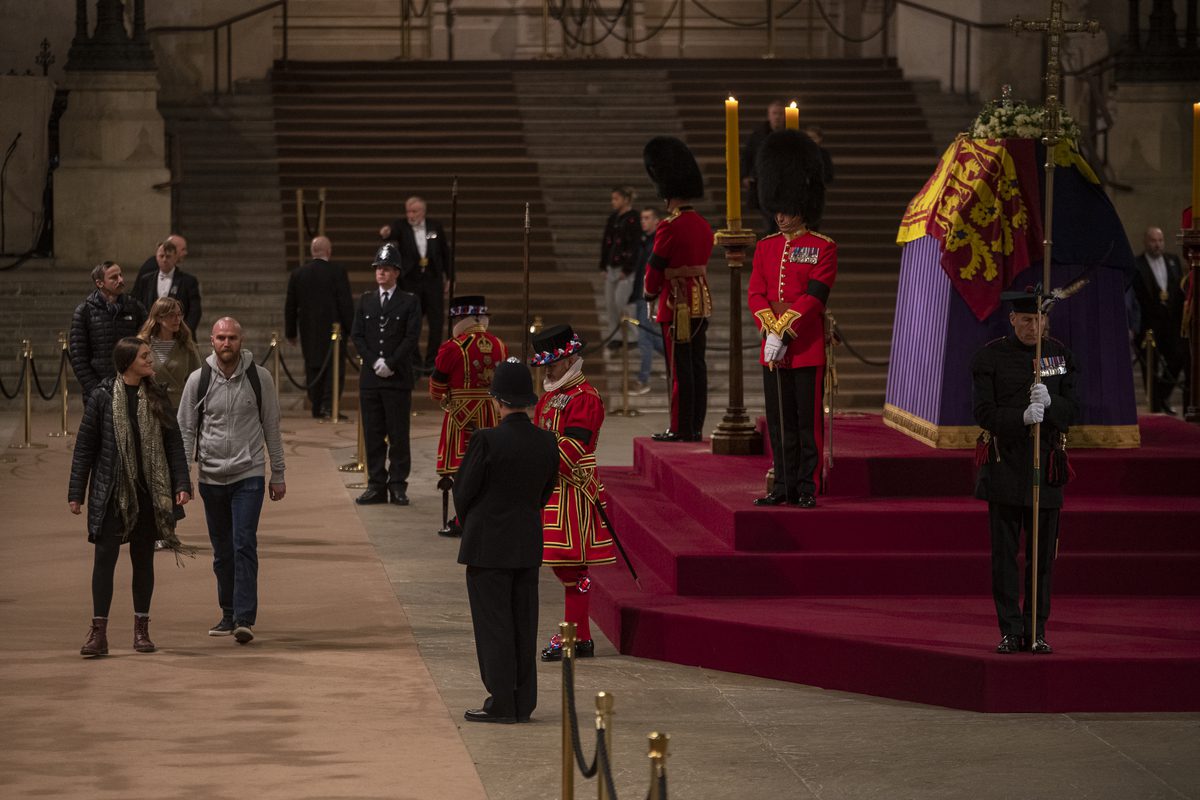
(318, 295)
(506, 478)
(386, 325)
(1007, 403)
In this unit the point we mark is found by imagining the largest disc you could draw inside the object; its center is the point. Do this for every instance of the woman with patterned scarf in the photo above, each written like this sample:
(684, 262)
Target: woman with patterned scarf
(129, 455)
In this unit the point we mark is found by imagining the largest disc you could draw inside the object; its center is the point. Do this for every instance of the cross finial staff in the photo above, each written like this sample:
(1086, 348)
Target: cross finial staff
(1055, 28)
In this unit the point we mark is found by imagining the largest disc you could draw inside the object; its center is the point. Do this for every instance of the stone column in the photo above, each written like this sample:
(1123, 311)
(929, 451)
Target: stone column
(111, 157)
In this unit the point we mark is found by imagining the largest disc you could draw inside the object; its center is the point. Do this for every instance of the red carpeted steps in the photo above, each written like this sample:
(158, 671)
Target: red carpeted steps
(884, 588)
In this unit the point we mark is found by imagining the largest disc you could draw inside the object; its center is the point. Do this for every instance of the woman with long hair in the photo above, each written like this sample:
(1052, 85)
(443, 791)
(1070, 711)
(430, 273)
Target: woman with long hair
(172, 345)
(129, 456)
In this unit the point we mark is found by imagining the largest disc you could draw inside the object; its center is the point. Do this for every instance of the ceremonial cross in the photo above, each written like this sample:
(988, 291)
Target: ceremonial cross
(1054, 27)
(44, 57)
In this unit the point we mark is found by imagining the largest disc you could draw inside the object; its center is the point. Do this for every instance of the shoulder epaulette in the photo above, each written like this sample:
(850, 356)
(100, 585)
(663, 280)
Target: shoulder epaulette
(771, 236)
(820, 235)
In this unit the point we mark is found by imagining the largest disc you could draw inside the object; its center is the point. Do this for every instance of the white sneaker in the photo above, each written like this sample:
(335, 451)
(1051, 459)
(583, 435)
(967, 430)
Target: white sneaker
(637, 388)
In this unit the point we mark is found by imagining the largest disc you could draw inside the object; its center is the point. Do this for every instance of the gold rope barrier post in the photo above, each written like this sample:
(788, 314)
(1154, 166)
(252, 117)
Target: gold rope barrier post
(658, 762)
(1150, 348)
(27, 371)
(1055, 28)
(604, 713)
(625, 410)
(274, 348)
(62, 381)
(336, 344)
(299, 226)
(566, 632)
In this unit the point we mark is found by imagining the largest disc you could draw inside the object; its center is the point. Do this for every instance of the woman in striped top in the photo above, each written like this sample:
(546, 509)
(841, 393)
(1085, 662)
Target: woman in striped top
(171, 342)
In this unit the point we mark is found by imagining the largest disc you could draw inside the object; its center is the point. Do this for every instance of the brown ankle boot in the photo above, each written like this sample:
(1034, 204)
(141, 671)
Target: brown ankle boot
(141, 635)
(97, 638)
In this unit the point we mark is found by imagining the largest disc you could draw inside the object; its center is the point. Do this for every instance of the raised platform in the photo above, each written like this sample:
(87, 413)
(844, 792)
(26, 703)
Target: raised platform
(884, 588)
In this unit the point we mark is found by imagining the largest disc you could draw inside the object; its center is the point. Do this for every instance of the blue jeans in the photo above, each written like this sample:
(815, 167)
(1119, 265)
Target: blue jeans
(649, 340)
(232, 514)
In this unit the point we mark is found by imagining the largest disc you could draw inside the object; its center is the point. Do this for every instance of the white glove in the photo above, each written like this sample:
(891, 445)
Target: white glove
(774, 348)
(381, 369)
(1038, 393)
(1034, 414)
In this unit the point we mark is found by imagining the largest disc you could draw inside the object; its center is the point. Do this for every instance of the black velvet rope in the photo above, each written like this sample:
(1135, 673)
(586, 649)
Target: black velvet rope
(37, 382)
(20, 382)
(568, 677)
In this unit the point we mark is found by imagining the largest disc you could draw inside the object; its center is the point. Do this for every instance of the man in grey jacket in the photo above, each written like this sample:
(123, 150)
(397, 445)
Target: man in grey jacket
(229, 419)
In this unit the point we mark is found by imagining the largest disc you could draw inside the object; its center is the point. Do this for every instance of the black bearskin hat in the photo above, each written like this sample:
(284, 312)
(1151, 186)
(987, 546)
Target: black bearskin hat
(673, 168)
(790, 179)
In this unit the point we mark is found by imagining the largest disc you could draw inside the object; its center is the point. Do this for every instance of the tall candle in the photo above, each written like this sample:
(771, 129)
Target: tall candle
(791, 116)
(1196, 166)
(733, 183)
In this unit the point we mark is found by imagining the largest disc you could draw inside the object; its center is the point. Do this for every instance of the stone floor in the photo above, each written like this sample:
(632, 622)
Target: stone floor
(731, 736)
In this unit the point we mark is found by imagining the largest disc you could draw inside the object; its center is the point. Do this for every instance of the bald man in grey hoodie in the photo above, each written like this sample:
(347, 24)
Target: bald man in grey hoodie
(229, 419)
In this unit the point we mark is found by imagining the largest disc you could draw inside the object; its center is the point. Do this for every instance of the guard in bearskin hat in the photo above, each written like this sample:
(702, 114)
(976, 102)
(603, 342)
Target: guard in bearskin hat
(1008, 403)
(574, 536)
(794, 271)
(677, 278)
(461, 379)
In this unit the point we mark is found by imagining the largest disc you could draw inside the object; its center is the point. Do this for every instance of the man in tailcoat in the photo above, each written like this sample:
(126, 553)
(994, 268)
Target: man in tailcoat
(169, 280)
(1157, 285)
(507, 475)
(425, 270)
(318, 295)
(1007, 403)
(386, 325)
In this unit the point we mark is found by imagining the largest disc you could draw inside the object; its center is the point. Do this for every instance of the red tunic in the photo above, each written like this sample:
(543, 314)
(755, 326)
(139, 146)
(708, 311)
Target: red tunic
(789, 287)
(571, 528)
(462, 375)
(682, 244)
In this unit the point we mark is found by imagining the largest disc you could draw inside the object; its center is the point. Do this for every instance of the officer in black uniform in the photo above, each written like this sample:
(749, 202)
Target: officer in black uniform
(386, 326)
(1007, 403)
(506, 477)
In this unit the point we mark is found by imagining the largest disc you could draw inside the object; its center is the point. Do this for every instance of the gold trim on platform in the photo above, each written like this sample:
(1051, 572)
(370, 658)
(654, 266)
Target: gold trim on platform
(962, 437)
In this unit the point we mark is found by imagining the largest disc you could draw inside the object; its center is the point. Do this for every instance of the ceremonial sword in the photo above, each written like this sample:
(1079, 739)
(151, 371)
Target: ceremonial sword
(620, 548)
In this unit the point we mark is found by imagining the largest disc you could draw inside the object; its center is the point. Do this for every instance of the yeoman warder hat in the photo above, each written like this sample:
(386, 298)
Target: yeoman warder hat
(468, 305)
(554, 344)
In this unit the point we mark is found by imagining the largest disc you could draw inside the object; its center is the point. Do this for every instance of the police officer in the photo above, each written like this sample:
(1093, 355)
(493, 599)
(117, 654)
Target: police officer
(793, 273)
(506, 477)
(386, 325)
(1007, 403)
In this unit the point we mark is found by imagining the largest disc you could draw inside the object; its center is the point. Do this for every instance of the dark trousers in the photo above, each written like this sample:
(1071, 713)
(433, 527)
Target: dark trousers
(689, 371)
(1172, 368)
(795, 429)
(231, 511)
(1006, 524)
(504, 613)
(320, 393)
(141, 556)
(385, 414)
(428, 289)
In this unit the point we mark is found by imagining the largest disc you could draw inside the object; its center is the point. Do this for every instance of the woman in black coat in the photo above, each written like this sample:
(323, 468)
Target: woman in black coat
(129, 455)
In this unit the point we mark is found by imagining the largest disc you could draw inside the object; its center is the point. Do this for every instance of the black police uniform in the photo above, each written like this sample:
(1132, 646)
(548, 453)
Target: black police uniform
(1002, 374)
(389, 332)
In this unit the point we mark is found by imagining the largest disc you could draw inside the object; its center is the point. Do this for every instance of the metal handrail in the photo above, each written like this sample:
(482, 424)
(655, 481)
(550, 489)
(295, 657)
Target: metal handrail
(955, 21)
(227, 24)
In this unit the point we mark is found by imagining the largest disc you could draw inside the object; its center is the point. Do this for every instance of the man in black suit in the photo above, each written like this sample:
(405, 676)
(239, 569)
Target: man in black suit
(170, 281)
(1160, 297)
(318, 295)
(151, 263)
(386, 326)
(506, 477)
(425, 255)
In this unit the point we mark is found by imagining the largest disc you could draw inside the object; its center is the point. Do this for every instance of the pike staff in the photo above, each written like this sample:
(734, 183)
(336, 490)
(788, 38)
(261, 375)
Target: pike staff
(453, 255)
(525, 313)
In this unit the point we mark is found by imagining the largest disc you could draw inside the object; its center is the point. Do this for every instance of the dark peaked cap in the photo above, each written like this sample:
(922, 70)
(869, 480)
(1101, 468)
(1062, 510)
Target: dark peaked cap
(789, 172)
(673, 168)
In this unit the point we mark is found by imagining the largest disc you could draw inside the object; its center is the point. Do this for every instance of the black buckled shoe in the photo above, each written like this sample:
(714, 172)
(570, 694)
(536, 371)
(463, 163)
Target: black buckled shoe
(667, 436)
(772, 499)
(1040, 648)
(585, 648)
(804, 501)
(1009, 643)
(371, 497)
